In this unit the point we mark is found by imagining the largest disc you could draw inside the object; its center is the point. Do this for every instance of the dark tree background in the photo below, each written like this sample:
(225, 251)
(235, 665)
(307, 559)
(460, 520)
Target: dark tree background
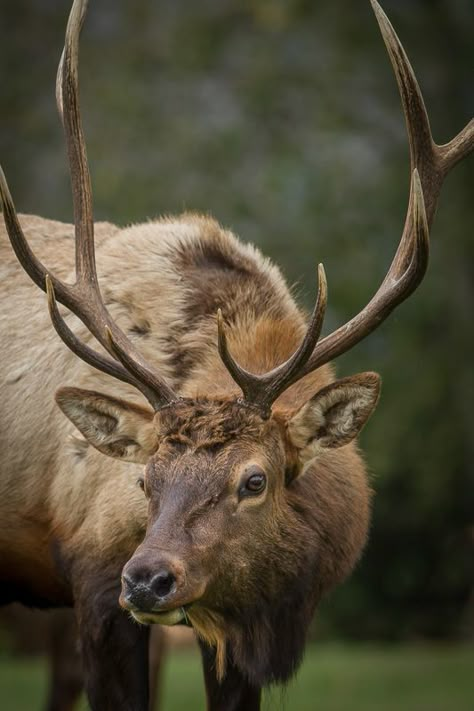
(282, 119)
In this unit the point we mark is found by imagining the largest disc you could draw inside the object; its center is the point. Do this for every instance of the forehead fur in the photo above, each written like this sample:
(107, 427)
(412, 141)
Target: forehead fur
(207, 423)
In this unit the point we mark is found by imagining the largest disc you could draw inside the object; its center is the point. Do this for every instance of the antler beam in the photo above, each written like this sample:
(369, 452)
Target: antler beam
(430, 164)
(82, 298)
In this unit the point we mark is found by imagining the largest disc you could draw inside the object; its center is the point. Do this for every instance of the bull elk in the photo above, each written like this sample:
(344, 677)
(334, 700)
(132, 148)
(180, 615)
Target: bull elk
(237, 497)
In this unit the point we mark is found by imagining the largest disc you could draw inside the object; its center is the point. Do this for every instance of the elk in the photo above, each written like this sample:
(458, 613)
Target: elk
(237, 497)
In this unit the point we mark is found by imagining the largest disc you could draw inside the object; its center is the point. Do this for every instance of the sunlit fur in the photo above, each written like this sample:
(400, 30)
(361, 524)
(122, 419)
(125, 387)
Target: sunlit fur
(268, 565)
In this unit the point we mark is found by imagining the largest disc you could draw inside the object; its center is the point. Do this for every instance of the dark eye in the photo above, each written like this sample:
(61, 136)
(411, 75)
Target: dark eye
(254, 483)
(141, 483)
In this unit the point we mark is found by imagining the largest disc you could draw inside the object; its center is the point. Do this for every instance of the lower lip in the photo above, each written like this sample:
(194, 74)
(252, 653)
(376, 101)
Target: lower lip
(171, 617)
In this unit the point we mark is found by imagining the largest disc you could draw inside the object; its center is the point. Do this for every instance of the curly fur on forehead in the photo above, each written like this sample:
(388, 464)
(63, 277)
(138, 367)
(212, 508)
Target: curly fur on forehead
(206, 423)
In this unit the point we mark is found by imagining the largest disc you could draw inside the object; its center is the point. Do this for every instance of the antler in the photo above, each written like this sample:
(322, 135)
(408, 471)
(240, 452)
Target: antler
(263, 390)
(83, 297)
(430, 164)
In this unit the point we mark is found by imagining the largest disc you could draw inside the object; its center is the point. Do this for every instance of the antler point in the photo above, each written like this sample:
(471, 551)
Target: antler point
(220, 325)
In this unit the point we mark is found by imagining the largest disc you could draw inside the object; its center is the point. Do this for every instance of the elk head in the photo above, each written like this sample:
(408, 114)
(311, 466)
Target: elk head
(238, 543)
(240, 540)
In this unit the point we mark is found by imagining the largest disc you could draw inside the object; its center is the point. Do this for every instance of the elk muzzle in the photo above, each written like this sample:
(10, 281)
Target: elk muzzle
(154, 589)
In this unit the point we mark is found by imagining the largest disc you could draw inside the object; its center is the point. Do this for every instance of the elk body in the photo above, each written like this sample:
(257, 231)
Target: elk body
(236, 497)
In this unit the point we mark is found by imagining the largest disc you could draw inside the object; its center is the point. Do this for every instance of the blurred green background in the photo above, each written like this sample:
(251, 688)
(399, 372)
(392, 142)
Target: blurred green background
(333, 678)
(282, 119)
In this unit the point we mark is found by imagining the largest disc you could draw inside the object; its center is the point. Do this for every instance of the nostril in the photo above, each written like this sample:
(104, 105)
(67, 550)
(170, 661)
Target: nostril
(163, 583)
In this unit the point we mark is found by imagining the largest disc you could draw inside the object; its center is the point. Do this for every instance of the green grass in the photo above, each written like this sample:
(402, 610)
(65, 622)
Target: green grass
(333, 678)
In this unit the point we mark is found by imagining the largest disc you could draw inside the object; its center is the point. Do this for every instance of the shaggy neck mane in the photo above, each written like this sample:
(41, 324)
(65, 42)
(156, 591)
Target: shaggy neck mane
(266, 643)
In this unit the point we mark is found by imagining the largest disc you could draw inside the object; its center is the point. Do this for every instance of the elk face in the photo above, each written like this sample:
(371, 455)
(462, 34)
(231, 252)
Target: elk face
(228, 537)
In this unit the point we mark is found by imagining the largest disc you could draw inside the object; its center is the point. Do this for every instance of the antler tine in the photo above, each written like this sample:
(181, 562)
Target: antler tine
(83, 298)
(68, 107)
(30, 263)
(460, 146)
(432, 161)
(59, 88)
(138, 371)
(96, 360)
(425, 154)
(395, 288)
(422, 146)
(263, 390)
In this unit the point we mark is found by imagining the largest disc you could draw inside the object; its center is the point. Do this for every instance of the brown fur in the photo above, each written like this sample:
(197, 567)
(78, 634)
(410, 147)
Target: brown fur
(242, 519)
(262, 564)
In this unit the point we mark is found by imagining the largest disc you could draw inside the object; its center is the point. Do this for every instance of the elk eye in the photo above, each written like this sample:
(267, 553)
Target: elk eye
(141, 483)
(254, 483)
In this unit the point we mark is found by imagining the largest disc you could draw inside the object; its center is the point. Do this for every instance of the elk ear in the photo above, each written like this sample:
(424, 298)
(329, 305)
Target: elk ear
(115, 427)
(335, 415)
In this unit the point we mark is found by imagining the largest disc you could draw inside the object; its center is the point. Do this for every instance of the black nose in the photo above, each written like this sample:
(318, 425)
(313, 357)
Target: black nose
(147, 585)
(137, 594)
(163, 583)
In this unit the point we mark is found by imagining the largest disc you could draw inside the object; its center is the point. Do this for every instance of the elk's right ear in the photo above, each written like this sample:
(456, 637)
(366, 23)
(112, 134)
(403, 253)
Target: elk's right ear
(115, 427)
(335, 415)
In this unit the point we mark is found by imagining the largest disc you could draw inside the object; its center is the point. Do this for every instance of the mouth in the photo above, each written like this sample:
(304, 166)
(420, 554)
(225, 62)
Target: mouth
(167, 617)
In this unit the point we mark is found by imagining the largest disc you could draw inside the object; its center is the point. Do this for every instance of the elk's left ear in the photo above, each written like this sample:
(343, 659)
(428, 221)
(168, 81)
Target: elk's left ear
(335, 415)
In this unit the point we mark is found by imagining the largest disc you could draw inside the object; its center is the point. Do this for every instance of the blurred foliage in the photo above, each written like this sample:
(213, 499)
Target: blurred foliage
(282, 119)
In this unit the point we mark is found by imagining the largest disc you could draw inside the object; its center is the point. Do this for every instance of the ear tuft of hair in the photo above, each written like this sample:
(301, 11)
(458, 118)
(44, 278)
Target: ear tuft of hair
(335, 415)
(115, 427)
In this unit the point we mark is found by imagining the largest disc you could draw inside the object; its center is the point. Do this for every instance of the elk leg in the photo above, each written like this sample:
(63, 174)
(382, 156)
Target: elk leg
(114, 649)
(66, 678)
(157, 651)
(233, 693)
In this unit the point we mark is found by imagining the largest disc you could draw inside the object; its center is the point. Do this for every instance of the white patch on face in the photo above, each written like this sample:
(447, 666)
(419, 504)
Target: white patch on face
(171, 617)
